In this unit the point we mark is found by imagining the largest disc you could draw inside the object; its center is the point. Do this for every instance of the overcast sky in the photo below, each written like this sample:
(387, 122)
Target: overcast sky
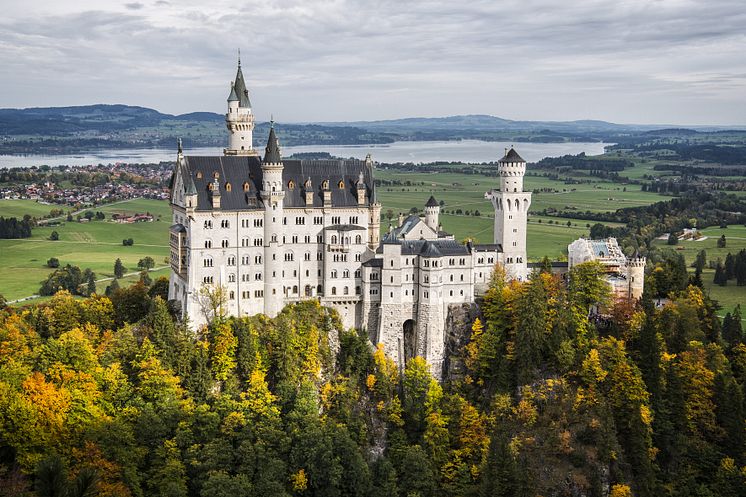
(641, 61)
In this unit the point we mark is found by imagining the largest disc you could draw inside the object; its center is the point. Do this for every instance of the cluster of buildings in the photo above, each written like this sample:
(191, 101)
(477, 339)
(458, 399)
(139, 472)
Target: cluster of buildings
(151, 183)
(271, 231)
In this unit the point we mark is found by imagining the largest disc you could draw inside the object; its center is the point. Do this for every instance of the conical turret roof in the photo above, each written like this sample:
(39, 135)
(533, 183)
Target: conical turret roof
(272, 152)
(233, 97)
(432, 202)
(239, 87)
(512, 156)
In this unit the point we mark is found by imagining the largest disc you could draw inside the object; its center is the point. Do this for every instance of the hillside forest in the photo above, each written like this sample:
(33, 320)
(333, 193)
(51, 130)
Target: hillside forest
(560, 391)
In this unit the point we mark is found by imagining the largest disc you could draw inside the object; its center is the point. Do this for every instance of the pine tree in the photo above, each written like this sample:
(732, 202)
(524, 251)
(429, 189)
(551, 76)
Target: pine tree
(732, 327)
(118, 268)
(730, 266)
(720, 278)
(91, 288)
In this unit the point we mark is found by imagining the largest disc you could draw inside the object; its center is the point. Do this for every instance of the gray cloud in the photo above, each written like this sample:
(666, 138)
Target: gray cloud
(134, 6)
(672, 61)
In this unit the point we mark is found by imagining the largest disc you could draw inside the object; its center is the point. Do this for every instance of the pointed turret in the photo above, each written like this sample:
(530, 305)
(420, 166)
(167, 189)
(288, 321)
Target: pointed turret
(272, 152)
(240, 119)
(239, 87)
(233, 97)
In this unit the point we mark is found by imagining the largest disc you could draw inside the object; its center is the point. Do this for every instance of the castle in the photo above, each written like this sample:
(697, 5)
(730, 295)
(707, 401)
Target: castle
(270, 231)
(625, 275)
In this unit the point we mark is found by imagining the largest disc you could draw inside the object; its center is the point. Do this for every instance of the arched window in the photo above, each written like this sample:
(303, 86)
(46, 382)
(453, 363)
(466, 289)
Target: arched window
(319, 289)
(291, 186)
(325, 184)
(341, 185)
(216, 175)
(228, 187)
(208, 243)
(358, 239)
(231, 278)
(199, 174)
(334, 290)
(246, 186)
(334, 239)
(346, 291)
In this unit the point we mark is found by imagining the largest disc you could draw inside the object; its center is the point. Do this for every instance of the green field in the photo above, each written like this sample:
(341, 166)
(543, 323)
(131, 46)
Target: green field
(727, 296)
(466, 192)
(19, 208)
(94, 245)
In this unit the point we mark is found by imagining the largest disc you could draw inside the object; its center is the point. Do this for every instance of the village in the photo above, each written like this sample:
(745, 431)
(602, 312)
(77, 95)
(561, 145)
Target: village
(86, 186)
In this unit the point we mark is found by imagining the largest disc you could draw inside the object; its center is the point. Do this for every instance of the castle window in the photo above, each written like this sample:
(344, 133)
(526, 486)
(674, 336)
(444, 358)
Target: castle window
(307, 256)
(346, 273)
(358, 239)
(334, 239)
(224, 243)
(208, 225)
(232, 260)
(346, 291)
(208, 243)
(291, 185)
(341, 185)
(207, 262)
(246, 186)
(451, 277)
(199, 175)
(216, 175)
(334, 290)
(228, 187)
(357, 273)
(325, 184)
(294, 239)
(357, 290)
(308, 184)
(231, 278)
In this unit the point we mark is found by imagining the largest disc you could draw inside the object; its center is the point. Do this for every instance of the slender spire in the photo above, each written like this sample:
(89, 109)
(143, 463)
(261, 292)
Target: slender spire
(181, 150)
(239, 87)
(272, 152)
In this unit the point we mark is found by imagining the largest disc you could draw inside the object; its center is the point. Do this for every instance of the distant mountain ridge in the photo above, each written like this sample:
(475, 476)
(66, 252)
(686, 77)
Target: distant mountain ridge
(86, 127)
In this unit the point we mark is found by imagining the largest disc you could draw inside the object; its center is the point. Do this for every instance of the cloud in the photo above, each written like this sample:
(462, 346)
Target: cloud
(634, 61)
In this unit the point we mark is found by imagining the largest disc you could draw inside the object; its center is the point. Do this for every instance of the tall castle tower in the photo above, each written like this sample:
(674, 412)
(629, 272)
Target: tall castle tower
(511, 205)
(273, 195)
(432, 213)
(636, 276)
(240, 119)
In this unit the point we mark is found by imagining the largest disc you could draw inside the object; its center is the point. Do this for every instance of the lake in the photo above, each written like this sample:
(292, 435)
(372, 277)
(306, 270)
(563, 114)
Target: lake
(430, 151)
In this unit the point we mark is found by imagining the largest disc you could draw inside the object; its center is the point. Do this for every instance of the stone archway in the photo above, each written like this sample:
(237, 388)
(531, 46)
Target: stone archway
(410, 339)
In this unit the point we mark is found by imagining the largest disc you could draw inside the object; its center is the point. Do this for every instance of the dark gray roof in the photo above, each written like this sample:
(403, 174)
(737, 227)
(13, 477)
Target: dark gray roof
(345, 227)
(406, 226)
(272, 152)
(233, 97)
(177, 228)
(433, 248)
(239, 86)
(488, 247)
(512, 156)
(238, 169)
(432, 202)
(373, 263)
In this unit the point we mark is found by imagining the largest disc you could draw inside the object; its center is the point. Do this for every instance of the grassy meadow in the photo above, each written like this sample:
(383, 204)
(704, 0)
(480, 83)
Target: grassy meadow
(94, 245)
(728, 296)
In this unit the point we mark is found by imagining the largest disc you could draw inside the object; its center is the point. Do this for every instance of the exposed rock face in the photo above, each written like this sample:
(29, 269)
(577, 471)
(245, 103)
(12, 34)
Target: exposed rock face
(458, 333)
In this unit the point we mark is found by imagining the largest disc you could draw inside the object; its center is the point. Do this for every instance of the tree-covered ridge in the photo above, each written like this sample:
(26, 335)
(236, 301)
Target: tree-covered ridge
(112, 396)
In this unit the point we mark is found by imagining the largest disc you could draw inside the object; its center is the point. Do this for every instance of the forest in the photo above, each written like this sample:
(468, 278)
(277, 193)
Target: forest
(555, 389)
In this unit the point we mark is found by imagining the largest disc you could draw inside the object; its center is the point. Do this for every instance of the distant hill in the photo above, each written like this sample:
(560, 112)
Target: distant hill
(484, 122)
(87, 127)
